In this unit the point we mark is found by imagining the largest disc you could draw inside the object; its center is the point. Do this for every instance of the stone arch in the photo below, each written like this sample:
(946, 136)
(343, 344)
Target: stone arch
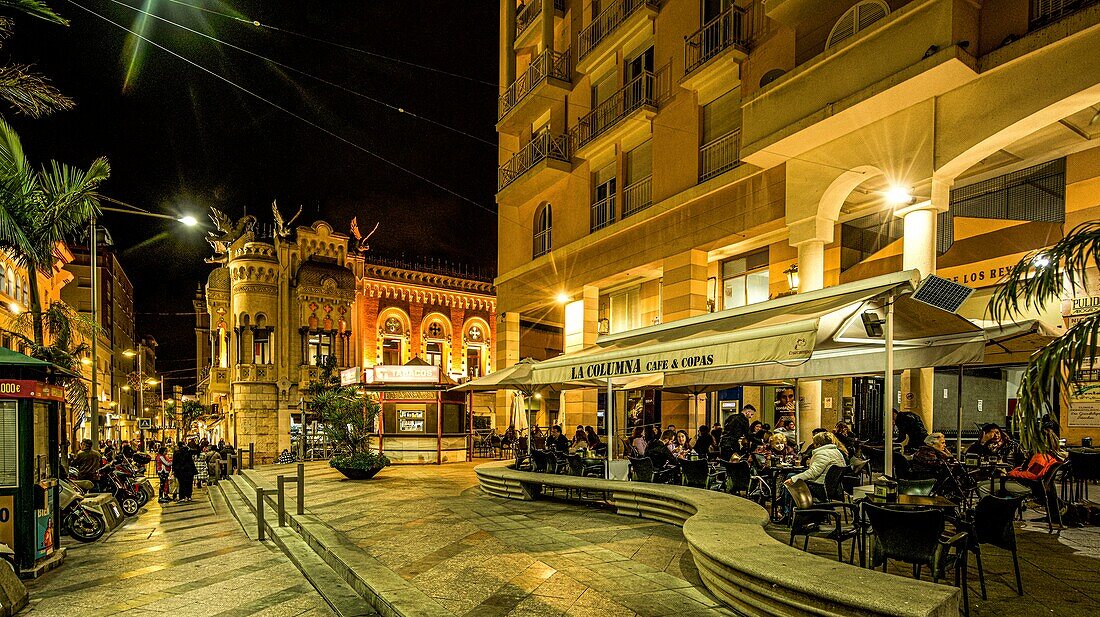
(834, 196)
(397, 313)
(435, 318)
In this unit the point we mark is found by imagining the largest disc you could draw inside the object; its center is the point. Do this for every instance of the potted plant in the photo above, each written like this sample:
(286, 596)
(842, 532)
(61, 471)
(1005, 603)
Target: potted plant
(348, 415)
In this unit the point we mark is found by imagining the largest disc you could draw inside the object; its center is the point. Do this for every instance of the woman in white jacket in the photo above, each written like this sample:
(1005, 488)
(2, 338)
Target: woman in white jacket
(824, 456)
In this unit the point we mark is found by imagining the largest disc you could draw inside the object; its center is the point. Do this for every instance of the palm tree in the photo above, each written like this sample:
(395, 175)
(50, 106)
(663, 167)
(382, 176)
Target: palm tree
(1040, 278)
(40, 208)
(28, 92)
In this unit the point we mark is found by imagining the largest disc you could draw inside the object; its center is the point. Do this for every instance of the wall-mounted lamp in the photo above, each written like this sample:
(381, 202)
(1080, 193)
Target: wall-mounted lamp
(872, 323)
(792, 277)
(712, 290)
(603, 326)
(562, 297)
(899, 196)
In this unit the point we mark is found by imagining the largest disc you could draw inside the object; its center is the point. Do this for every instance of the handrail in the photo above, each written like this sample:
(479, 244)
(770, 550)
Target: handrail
(602, 213)
(541, 147)
(647, 89)
(738, 561)
(549, 63)
(606, 22)
(730, 28)
(637, 196)
(720, 155)
(530, 13)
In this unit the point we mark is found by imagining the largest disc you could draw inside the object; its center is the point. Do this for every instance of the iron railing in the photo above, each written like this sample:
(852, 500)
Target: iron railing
(720, 155)
(603, 213)
(1044, 12)
(542, 242)
(549, 63)
(647, 89)
(729, 29)
(529, 13)
(638, 196)
(606, 22)
(542, 146)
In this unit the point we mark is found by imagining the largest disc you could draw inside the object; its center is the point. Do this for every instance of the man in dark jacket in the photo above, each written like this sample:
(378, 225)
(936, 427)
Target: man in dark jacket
(557, 441)
(658, 452)
(911, 430)
(87, 463)
(736, 427)
(183, 465)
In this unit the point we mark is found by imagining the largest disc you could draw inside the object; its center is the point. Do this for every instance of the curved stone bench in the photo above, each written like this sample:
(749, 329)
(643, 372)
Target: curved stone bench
(738, 561)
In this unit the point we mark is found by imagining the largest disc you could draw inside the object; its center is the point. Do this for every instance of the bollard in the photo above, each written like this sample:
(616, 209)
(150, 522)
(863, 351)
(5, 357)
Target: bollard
(301, 489)
(251, 454)
(282, 501)
(260, 513)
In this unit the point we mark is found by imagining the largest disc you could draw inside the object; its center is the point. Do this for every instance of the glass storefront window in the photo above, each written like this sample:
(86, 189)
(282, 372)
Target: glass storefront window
(391, 351)
(319, 347)
(745, 280)
(433, 353)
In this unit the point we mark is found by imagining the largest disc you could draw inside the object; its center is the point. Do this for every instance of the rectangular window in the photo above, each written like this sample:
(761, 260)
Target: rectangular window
(319, 347)
(391, 352)
(9, 443)
(261, 346)
(638, 169)
(434, 353)
(603, 198)
(602, 89)
(745, 280)
(622, 309)
(722, 116)
(473, 362)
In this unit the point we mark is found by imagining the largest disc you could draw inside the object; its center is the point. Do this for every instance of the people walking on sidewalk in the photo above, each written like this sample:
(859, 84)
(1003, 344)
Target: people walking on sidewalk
(213, 464)
(164, 470)
(183, 466)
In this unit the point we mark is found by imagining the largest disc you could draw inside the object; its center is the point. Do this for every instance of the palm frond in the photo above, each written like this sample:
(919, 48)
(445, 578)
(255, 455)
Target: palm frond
(34, 8)
(31, 93)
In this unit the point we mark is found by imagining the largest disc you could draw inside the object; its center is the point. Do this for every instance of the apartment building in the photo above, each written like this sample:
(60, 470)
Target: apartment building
(664, 159)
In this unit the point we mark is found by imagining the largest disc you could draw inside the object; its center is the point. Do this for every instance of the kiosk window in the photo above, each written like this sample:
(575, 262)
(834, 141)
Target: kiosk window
(9, 443)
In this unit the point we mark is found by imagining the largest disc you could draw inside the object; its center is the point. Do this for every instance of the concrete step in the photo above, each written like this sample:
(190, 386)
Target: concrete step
(345, 601)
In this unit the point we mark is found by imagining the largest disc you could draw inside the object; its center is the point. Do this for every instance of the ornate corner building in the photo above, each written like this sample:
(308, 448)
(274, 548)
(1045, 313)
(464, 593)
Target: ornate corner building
(275, 307)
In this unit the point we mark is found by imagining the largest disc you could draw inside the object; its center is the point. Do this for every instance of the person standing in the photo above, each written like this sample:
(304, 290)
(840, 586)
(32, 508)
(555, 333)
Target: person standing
(183, 465)
(87, 463)
(736, 427)
(911, 431)
(213, 465)
(164, 470)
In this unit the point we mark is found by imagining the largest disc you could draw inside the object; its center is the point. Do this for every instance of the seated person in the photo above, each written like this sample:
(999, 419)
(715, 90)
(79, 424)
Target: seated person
(637, 439)
(704, 442)
(785, 428)
(825, 455)
(846, 437)
(1028, 478)
(755, 436)
(681, 445)
(932, 460)
(989, 442)
(579, 438)
(591, 438)
(658, 451)
(557, 442)
(776, 449)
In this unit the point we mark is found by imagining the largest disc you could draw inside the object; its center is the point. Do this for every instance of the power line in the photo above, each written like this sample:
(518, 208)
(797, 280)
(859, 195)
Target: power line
(288, 112)
(358, 50)
(400, 110)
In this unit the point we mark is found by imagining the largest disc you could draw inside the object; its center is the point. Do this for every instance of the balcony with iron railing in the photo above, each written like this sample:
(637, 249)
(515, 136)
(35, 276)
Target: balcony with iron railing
(638, 99)
(1044, 12)
(637, 196)
(714, 53)
(530, 13)
(616, 24)
(719, 155)
(544, 151)
(542, 243)
(602, 213)
(545, 80)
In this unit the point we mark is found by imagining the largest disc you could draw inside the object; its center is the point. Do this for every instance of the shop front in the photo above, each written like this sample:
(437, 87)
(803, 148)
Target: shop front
(422, 421)
(30, 425)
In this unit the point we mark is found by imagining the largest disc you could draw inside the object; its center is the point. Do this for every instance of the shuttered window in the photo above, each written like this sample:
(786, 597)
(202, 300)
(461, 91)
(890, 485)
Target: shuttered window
(857, 19)
(9, 443)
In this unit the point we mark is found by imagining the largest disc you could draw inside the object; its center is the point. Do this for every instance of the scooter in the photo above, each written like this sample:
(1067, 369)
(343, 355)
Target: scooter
(130, 495)
(134, 480)
(76, 520)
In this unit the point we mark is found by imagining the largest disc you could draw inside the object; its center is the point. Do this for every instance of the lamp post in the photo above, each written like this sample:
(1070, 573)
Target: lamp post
(93, 265)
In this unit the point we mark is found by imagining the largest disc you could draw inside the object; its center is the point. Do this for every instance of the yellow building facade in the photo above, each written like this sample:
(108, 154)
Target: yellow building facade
(276, 305)
(660, 160)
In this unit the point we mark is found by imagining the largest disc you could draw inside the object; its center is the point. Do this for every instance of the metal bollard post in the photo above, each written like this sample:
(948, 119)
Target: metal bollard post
(301, 489)
(282, 501)
(251, 454)
(260, 513)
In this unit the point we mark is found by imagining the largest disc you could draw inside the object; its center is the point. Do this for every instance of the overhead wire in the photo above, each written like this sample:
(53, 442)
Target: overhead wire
(293, 69)
(285, 110)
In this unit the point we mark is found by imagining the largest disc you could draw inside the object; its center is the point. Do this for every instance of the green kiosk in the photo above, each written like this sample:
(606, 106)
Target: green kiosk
(30, 424)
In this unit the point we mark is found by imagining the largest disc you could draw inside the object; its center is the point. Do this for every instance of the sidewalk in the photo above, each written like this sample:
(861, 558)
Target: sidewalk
(481, 556)
(183, 559)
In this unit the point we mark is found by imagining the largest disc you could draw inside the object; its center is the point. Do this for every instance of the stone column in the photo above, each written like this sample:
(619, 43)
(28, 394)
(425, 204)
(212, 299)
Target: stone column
(919, 253)
(368, 328)
(507, 354)
(507, 42)
(684, 286)
(581, 323)
(547, 25)
(811, 277)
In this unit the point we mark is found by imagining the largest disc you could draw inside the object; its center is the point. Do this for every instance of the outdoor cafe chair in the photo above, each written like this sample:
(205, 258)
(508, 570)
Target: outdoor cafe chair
(540, 461)
(1084, 467)
(695, 473)
(641, 470)
(578, 467)
(916, 487)
(738, 477)
(812, 518)
(992, 523)
(916, 537)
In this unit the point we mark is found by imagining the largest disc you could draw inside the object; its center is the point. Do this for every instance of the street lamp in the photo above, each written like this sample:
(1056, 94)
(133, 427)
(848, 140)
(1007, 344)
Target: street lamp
(792, 277)
(93, 266)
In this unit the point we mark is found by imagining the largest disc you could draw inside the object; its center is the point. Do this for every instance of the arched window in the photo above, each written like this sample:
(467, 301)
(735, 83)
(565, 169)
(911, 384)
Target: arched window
(544, 223)
(9, 283)
(856, 20)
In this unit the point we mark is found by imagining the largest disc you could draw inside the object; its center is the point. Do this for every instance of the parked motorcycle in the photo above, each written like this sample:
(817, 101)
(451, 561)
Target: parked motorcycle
(129, 494)
(79, 522)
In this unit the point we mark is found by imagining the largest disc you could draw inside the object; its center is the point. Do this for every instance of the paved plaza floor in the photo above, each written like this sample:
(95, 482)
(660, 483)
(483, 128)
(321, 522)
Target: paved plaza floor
(175, 559)
(482, 556)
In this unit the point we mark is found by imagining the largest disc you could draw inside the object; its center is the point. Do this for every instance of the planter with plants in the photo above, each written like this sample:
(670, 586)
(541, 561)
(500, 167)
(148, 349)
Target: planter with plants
(348, 415)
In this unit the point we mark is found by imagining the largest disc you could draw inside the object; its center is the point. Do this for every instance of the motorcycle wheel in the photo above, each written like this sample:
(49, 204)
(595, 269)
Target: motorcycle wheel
(142, 497)
(130, 505)
(85, 527)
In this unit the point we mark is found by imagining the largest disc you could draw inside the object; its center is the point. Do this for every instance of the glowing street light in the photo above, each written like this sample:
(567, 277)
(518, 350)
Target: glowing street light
(562, 297)
(14, 308)
(898, 196)
(188, 220)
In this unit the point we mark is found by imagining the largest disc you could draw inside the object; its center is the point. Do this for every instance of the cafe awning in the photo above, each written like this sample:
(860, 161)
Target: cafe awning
(812, 334)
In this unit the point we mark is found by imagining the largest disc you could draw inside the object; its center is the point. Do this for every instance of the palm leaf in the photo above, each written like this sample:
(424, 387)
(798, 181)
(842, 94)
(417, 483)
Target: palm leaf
(30, 93)
(34, 8)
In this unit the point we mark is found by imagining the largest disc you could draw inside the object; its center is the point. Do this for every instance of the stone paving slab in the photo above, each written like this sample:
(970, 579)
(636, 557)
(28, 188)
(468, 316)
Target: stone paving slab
(484, 556)
(182, 559)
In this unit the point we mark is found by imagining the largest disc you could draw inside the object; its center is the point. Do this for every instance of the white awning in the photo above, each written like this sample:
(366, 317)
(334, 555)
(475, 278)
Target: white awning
(810, 334)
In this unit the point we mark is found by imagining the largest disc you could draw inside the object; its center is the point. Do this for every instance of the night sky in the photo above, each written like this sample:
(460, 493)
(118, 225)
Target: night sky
(180, 141)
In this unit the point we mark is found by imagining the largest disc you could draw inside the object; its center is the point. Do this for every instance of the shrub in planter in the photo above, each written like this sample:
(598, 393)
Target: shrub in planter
(361, 466)
(349, 416)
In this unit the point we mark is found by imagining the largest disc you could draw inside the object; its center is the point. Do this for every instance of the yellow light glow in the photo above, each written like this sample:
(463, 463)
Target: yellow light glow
(562, 297)
(152, 382)
(898, 195)
(129, 353)
(126, 388)
(14, 308)
(189, 220)
(86, 361)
